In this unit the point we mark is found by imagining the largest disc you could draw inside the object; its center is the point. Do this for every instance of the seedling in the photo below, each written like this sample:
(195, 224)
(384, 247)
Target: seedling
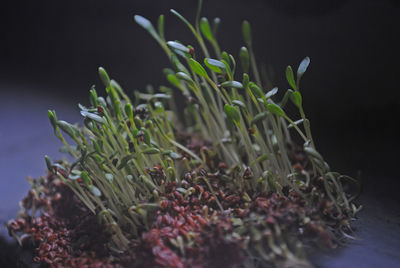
(132, 165)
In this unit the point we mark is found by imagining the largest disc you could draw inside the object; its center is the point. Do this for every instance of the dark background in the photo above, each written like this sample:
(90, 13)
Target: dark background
(350, 91)
(50, 51)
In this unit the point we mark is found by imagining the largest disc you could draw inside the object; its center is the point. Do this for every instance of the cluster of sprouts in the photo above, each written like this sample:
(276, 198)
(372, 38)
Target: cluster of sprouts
(126, 151)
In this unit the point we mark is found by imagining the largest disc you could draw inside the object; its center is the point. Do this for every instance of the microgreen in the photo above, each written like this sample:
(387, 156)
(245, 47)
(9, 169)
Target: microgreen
(126, 151)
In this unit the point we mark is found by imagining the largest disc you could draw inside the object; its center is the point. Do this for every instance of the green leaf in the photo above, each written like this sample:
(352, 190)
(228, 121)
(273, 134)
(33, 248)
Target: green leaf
(256, 90)
(172, 154)
(124, 161)
(138, 122)
(161, 96)
(52, 117)
(92, 116)
(246, 31)
(197, 68)
(233, 62)
(116, 86)
(225, 56)
(160, 26)
(85, 178)
(158, 106)
(244, 59)
(57, 165)
(74, 177)
(239, 103)
(102, 101)
(146, 137)
(260, 159)
(149, 97)
(129, 111)
(206, 30)
(93, 97)
(215, 26)
(232, 112)
(227, 66)
(109, 177)
(95, 191)
(313, 153)
(173, 80)
(275, 109)
(74, 174)
(178, 65)
(48, 162)
(214, 65)
(104, 77)
(258, 117)
(285, 98)
(151, 151)
(175, 156)
(234, 84)
(184, 77)
(296, 98)
(246, 80)
(115, 100)
(271, 93)
(146, 24)
(168, 71)
(166, 152)
(67, 128)
(303, 67)
(178, 46)
(97, 146)
(290, 77)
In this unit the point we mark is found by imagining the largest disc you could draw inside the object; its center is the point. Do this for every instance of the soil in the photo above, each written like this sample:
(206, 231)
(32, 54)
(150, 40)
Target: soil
(193, 225)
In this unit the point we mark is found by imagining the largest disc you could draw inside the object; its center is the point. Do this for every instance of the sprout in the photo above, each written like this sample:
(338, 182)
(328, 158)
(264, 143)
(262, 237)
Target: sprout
(125, 152)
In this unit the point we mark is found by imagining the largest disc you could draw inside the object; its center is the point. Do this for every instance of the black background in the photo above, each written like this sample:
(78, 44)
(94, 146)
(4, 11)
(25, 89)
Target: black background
(50, 50)
(351, 91)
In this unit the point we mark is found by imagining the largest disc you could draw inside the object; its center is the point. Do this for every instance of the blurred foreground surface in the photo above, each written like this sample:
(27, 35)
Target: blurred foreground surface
(26, 136)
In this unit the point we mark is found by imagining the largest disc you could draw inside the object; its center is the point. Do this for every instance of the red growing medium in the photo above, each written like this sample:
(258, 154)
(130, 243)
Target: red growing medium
(188, 230)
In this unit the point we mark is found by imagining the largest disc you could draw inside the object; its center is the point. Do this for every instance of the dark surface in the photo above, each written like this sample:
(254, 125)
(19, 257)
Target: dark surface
(376, 232)
(50, 52)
